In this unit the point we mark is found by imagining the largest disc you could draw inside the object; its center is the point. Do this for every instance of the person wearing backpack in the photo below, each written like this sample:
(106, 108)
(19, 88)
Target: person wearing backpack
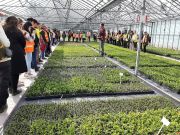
(5, 64)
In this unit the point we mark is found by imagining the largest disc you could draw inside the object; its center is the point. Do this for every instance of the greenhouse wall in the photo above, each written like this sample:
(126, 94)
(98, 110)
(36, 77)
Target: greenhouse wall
(164, 34)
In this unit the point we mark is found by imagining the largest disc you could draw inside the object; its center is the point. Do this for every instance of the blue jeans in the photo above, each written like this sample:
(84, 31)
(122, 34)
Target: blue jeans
(42, 54)
(28, 61)
(34, 56)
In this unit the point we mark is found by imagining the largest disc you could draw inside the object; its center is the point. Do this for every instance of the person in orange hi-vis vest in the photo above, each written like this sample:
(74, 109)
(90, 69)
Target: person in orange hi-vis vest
(29, 48)
(89, 36)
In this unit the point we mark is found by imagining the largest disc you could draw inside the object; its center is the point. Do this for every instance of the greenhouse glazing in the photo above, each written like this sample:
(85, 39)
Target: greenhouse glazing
(162, 25)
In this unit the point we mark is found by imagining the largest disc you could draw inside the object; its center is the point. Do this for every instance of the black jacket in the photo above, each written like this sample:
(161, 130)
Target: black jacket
(17, 45)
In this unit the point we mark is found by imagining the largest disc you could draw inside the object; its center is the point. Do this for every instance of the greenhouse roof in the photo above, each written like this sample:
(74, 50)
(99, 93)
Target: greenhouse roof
(73, 14)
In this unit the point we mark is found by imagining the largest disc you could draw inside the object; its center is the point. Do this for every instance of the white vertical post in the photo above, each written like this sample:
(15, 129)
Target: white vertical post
(140, 36)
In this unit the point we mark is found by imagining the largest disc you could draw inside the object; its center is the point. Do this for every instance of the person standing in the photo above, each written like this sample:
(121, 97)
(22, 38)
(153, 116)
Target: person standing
(43, 41)
(5, 65)
(145, 41)
(83, 37)
(64, 36)
(125, 39)
(69, 36)
(101, 37)
(135, 40)
(95, 37)
(36, 46)
(29, 49)
(17, 45)
(89, 36)
(131, 45)
(80, 37)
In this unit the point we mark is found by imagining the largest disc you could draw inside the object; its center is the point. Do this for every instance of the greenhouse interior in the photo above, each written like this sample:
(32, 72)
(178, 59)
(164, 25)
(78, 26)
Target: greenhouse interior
(89, 67)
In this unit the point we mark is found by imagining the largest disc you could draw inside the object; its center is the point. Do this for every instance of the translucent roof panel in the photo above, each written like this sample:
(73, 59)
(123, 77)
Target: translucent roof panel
(77, 14)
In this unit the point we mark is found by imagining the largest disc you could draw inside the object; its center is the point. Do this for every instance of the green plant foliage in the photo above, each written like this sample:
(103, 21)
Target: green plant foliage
(85, 117)
(110, 124)
(164, 52)
(73, 50)
(85, 80)
(74, 62)
(164, 71)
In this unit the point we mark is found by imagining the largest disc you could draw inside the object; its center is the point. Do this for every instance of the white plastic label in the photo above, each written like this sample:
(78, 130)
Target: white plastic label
(165, 121)
(121, 74)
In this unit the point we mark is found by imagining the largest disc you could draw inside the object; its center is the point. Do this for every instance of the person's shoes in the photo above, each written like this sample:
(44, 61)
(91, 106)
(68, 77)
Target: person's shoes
(36, 69)
(40, 61)
(3, 108)
(20, 84)
(14, 93)
(102, 54)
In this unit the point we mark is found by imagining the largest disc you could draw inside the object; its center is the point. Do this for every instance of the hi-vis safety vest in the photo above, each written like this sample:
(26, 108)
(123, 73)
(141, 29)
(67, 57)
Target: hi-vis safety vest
(46, 36)
(118, 37)
(83, 35)
(135, 38)
(125, 37)
(38, 33)
(29, 46)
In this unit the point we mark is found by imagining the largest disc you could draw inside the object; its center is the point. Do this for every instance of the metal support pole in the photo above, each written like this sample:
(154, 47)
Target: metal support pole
(140, 37)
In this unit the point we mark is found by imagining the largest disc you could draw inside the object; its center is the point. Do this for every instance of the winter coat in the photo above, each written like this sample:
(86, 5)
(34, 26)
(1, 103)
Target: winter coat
(17, 45)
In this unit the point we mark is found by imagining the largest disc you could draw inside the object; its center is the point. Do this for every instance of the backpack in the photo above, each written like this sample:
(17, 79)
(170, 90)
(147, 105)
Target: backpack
(2, 51)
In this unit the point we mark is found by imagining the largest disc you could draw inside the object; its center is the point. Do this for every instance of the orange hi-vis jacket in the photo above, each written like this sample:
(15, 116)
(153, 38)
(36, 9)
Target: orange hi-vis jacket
(46, 36)
(29, 46)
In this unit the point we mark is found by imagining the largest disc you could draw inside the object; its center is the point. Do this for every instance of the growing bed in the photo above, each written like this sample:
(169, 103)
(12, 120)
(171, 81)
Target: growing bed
(75, 74)
(134, 116)
(164, 52)
(162, 70)
(85, 81)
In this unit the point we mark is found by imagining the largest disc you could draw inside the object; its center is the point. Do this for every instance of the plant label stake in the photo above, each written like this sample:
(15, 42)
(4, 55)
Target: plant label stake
(95, 58)
(121, 75)
(165, 123)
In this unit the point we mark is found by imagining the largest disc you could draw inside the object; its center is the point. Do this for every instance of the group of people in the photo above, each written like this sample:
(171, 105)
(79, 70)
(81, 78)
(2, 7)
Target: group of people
(128, 39)
(76, 36)
(23, 47)
(125, 39)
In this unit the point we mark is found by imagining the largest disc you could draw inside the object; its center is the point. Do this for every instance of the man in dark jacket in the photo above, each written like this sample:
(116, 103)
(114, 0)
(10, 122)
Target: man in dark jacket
(101, 37)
